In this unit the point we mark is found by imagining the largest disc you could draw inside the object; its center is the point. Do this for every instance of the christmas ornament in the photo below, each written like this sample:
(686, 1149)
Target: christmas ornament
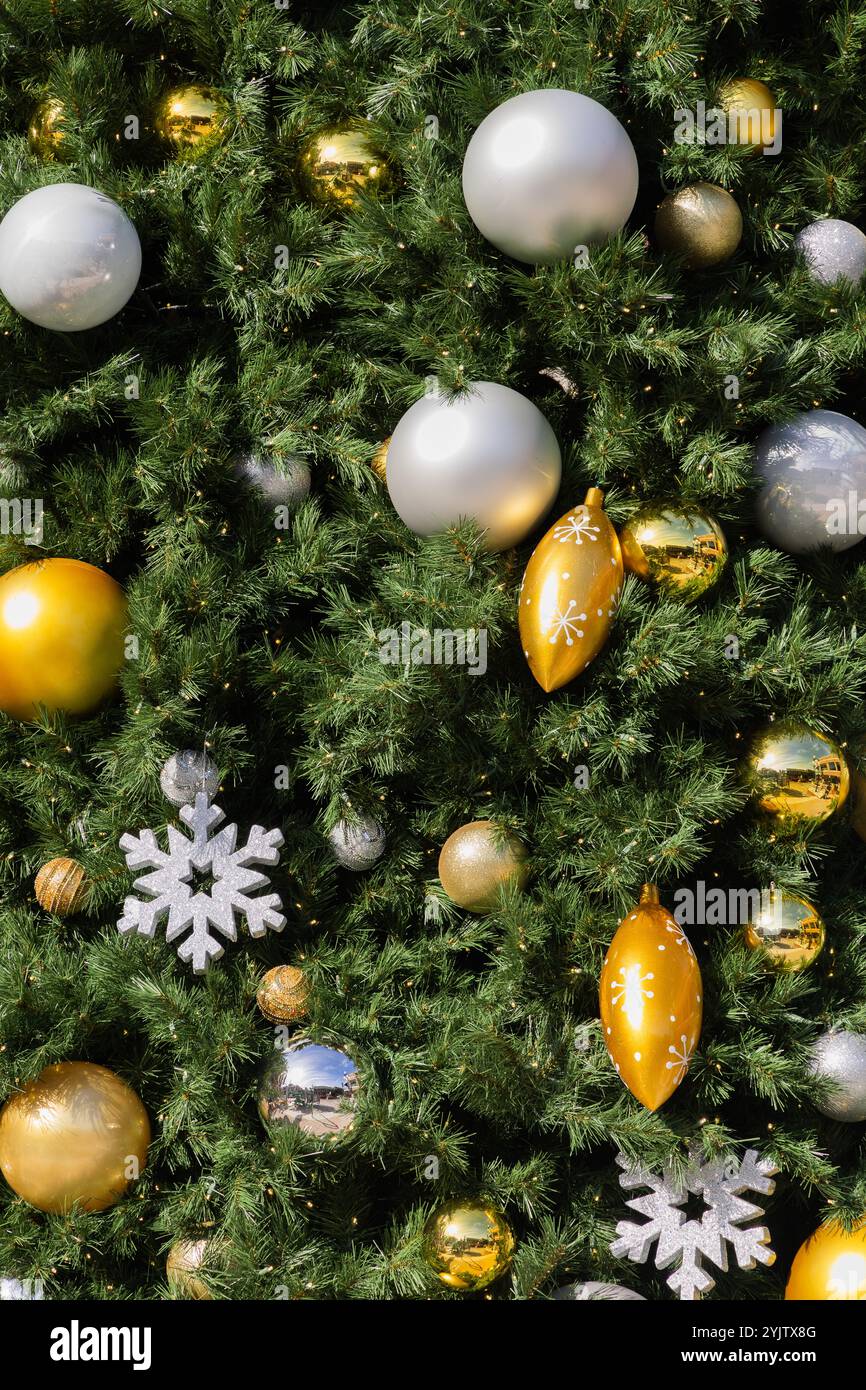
(833, 250)
(379, 461)
(191, 118)
(787, 931)
(77, 1134)
(357, 844)
(796, 773)
(701, 223)
(548, 172)
(468, 1244)
(69, 257)
(45, 134)
(21, 1290)
(687, 1243)
(478, 861)
(182, 1267)
(751, 110)
(569, 593)
(811, 468)
(61, 887)
(185, 774)
(488, 455)
(202, 882)
(337, 165)
(829, 1267)
(311, 1086)
(594, 1292)
(679, 547)
(839, 1058)
(62, 626)
(286, 487)
(283, 994)
(650, 1000)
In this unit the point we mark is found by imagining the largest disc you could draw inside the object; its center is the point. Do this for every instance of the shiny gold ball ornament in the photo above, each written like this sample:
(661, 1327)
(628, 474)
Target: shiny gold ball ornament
(283, 994)
(336, 165)
(787, 930)
(569, 593)
(468, 1244)
(796, 773)
(702, 223)
(61, 887)
(478, 861)
(751, 111)
(62, 628)
(379, 461)
(183, 1266)
(829, 1267)
(676, 546)
(650, 999)
(45, 134)
(191, 119)
(75, 1135)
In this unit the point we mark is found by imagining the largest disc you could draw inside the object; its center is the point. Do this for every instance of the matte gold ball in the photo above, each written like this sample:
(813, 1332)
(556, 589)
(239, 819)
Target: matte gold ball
(468, 1244)
(61, 886)
(478, 861)
(283, 994)
(191, 119)
(787, 931)
(701, 222)
(678, 547)
(182, 1267)
(379, 461)
(336, 165)
(751, 111)
(796, 773)
(45, 134)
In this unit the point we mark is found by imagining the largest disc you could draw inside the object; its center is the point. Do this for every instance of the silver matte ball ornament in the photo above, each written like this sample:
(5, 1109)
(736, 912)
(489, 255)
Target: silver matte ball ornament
(488, 455)
(833, 250)
(810, 467)
(286, 486)
(311, 1086)
(185, 774)
(547, 172)
(594, 1292)
(69, 257)
(357, 844)
(840, 1057)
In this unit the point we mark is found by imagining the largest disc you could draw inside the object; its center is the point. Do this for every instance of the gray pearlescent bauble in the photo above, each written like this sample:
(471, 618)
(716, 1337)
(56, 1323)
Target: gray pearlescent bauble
(357, 844)
(488, 455)
(833, 250)
(594, 1291)
(69, 257)
(840, 1057)
(287, 486)
(185, 774)
(311, 1086)
(547, 172)
(814, 473)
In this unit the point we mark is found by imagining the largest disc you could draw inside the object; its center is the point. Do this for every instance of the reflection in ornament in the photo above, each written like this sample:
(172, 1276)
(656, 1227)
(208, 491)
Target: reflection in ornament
(796, 773)
(468, 1244)
(336, 165)
(679, 547)
(787, 931)
(313, 1087)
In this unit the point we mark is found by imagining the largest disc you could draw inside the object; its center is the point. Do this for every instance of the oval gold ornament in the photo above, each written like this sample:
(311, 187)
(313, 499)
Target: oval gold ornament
(61, 886)
(569, 593)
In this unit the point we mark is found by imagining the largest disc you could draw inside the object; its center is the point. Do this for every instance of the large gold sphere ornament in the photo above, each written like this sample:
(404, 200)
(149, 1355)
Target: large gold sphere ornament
(62, 627)
(191, 118)
(702, 223)
(183, 1269)
(61, 886)
(45, 134)
(75, 1135)
(676, 546)
(787, 931)
(468, 1244)
(336, 165)
(796, 773)
(650, 999)
(283, 994)
(829, 1267)
(569, 593)
(751, 111)
(478, 861)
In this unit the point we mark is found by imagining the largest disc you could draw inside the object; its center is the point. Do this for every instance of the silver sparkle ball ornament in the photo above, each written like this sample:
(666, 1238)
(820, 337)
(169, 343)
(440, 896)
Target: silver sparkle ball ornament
(185, 774)
(840, 1057)
(311, 1086)
(594, 1292)
(21, 1290)
(547, 172)
(833, 250)
(488, 455)
(813, 471)
(69, 257)
(357, 844)
(286, 486)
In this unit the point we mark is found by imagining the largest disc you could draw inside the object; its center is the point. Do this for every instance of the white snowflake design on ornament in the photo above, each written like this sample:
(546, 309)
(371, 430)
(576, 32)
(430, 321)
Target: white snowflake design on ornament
(682, 1057)
(679, 934)
(567, 623)
(630, 991)
(577, 528)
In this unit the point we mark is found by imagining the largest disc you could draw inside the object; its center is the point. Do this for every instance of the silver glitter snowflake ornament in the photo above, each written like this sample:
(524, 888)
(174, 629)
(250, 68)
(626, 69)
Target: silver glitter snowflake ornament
(686, 1242)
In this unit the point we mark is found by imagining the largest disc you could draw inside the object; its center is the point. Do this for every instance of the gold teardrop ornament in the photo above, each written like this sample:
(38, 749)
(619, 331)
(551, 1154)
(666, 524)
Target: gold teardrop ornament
(569, 593)
(650, 1001)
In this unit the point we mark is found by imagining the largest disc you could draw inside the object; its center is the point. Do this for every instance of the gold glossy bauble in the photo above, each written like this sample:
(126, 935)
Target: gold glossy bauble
(379, 461)
(787, 931)
(75, 1135)
(569, 593)
(185, 1259)
(45, 134)
(191, 118)
(829, 1267)
(283, 994)
(796, 773)
(702, 223)
(478, 861)
(61, 886)
(751, 110)
(468, 1244)
(62, 627)
(336, 165)
(677, 546)
(650, 997)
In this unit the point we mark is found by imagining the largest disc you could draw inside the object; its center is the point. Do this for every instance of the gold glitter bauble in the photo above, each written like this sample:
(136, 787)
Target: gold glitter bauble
(45, 134)
(61, 886)
(702, 223)
(677, 546)
(787, 931)
(796, 773)
(468, 1244)
(829, 1267)
(283, 994)
(75, 1135)
(185, 1259)
(379, 461)
(753, 108)
(478, 861)
(191, 118)
(336, 165)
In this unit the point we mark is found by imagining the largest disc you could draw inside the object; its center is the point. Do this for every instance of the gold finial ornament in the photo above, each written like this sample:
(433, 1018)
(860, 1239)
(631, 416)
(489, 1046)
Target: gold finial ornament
(468, 1244)
(191, 118)
(61, 886)
(702, 223)
(787, 930)
(796, 773)
(336, 165)
(676, 546)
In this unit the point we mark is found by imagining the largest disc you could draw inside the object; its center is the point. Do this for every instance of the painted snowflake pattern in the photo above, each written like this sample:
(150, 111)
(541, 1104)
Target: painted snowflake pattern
(566, 623)
(682, 1056)
(577, 527)
(630, 991)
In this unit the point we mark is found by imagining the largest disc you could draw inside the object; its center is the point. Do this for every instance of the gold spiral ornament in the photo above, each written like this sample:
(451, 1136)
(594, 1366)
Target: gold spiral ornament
(283, 994)
(61, 886)
(796, 773)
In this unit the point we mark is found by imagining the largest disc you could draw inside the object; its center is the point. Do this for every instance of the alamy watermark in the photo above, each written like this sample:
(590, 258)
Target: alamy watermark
(713, 125)
(713, 906)
(22, 516)
(438, 646)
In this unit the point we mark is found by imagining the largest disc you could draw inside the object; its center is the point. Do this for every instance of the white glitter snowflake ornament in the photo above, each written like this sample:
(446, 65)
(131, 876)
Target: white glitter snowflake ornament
(686, 1242)
(194, 908)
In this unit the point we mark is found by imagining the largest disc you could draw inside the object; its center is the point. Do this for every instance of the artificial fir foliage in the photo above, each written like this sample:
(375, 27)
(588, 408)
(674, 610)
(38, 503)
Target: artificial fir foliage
(266, 322)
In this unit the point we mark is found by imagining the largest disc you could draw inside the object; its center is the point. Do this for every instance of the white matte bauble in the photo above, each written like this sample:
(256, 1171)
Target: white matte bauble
(547, 172)
(833, 250)
(69, 257)
(814, 471)
(488, 455)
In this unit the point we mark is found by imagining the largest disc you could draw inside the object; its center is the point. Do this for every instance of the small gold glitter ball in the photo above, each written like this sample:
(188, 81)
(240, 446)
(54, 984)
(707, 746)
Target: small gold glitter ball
(336, 165)
(185, 1259)
(787, 931)
(45, 134)
(751, 110)
(468, 1244)
(61, 886)
(283, 994)
(796, 773)
(379, 461)
(678, 547)
(701, 222)
(478, 861)
(191, 119)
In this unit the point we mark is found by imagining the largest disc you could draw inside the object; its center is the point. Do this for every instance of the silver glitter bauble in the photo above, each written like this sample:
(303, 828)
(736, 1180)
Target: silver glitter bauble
(311, 1086)
(548, 172)
(814, 473)
(840, 1058)
(488, 455)
(186, 774)
(357, 844)
(21, 1290)
(594, 1291)
(287, 486)
(833, 250)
